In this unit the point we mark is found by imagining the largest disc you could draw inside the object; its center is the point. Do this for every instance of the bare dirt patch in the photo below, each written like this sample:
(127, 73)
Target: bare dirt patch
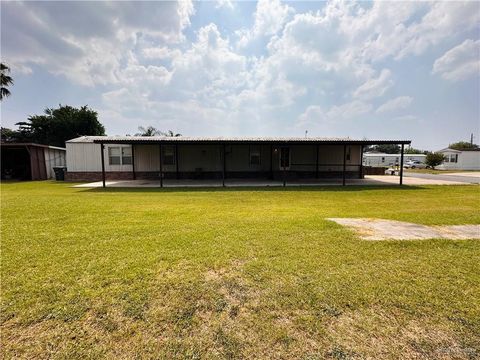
(380, 229)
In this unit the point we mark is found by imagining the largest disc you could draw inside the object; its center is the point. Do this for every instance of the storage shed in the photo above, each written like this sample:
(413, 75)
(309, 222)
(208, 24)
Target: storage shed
(30, 161)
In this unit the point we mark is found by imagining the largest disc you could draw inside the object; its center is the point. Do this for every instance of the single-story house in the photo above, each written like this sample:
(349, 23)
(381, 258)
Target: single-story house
(386, 160)
(468, 159)
(30, 161)
(94, 158)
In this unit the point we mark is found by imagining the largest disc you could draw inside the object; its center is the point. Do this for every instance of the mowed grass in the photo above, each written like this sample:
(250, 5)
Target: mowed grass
(246, 273)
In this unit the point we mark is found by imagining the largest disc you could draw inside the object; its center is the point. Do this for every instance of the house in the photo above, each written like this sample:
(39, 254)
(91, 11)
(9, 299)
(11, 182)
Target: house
(467, 159)
(385, 160)
(93, 158)
(30, 161)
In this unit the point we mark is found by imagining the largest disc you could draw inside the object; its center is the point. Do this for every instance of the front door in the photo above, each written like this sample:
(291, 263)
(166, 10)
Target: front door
(284, 158)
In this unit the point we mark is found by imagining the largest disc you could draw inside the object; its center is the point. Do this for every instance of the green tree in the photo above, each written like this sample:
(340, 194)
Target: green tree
(59, 125)
(411, 150)
(434, 159)
(463, 145)
(386, 148)
(5, 81)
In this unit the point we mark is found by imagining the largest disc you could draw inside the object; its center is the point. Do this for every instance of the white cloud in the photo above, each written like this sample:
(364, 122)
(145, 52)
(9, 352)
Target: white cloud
(225, 4)
(374, 87)
(270, 17)
(398, 103)
(460, 62)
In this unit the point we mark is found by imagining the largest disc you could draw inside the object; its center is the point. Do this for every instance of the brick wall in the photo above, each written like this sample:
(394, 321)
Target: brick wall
(97, 176)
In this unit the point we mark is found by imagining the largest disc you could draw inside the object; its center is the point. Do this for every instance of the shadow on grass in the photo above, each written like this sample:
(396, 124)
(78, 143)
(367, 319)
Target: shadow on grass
(329, 188)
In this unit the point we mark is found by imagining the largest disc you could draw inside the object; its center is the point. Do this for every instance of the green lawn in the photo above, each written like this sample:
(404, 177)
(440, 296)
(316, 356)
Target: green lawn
(250, 273)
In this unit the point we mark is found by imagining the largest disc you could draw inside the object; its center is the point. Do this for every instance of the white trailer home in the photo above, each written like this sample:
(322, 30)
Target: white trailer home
(460, 159)
(386, 160)
(93, 158)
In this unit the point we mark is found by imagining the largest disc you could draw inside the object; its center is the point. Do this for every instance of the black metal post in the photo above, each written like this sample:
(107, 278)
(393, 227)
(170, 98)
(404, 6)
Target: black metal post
(271, 162)
(361, 162)
(161, 165)
(344, 164)
(176, 162)
(102, 148)
(133, 162)
(223, 166)
(284, 163)
(316, 163)
(401, 165)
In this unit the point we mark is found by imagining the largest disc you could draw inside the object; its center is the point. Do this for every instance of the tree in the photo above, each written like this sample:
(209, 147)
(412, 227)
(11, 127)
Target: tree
(151, 131)
(5, 81)
(148, 131)
(59, 125)
(434, 159)
(386, 148)
(411, 150)
(463, 145)
(9, 135)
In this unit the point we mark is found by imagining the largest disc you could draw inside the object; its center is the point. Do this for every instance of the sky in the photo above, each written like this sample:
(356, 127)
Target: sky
(375, 70)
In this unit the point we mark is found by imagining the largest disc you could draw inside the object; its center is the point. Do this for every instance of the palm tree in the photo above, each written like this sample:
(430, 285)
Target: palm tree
(5, 80)
(148, 131)
(170, 133)
(151, 131)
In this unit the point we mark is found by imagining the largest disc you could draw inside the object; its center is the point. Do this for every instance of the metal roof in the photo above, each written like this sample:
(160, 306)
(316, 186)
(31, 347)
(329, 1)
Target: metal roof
(14, 144)
(220, 140)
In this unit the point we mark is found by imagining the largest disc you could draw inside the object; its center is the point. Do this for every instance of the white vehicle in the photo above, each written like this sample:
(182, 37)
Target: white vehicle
(414, 164)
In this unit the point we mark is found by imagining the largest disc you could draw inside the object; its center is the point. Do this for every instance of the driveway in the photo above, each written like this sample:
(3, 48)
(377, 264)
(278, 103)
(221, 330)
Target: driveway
(467, 177)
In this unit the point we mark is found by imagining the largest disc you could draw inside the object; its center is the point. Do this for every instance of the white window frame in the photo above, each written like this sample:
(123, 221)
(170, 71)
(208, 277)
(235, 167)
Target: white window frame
(121, 155)
(253, 150)
(165, 150)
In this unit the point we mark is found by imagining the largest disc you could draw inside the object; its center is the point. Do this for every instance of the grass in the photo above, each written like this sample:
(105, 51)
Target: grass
(247, 273)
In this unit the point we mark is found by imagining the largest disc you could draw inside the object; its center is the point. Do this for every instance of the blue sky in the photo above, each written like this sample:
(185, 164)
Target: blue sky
(358, 69)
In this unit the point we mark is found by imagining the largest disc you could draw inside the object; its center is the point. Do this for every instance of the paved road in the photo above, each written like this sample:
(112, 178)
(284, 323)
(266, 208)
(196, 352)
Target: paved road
(464, 179)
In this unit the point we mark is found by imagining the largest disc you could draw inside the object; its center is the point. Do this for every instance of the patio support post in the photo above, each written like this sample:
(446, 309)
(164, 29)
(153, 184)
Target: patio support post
(133, 162)
(176, 162)
(102, 148)
(344, 164)
(284, 169)
(361, 162)
(223, 165)
(316, 162)
(271, 162)
(161, 165)
(401, 164)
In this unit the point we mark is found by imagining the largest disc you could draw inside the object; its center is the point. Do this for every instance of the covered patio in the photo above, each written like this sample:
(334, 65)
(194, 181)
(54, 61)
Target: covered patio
(232, 162)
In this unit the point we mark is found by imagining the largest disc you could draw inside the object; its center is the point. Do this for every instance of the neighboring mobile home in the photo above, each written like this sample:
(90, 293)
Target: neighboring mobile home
(386, 160)
(460, 159)
(93, 158)
(29, 161)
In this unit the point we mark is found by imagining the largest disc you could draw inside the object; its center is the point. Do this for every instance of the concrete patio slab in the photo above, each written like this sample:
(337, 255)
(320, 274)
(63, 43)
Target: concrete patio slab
(380, 229)
(368, 180)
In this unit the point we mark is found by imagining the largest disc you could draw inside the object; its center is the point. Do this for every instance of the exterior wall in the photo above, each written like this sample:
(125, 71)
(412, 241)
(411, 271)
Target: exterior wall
(86, 157)
(53, 157)
(467, 160)
(206, 161)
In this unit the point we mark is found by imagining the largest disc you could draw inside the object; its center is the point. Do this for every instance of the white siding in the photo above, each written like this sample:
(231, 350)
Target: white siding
(53, 157)
(467, 160)
(87, 157)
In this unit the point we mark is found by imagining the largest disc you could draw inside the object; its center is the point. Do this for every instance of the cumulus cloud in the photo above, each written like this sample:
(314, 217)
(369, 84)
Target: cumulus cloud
(375, 87)
(398, 103)
(460, 62)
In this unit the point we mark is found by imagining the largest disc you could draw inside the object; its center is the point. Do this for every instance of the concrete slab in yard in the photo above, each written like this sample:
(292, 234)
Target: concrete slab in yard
(380, 229)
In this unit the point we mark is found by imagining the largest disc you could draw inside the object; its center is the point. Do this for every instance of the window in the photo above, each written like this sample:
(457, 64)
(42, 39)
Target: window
(383, 159)
(168, 155)
(255, 158)
(349, 153)
(454, 158)
(119, 155)
(446, 159)
(114, 156)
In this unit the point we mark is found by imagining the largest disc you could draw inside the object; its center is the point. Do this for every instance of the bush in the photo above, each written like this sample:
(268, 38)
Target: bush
(434, 159)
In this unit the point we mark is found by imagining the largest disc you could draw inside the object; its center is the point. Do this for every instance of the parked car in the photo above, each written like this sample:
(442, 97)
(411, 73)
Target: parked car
(391, 171)
(414, 164)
